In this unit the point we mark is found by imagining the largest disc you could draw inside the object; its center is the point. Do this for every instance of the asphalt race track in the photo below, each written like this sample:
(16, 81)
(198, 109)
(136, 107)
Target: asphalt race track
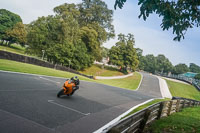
(28, 104)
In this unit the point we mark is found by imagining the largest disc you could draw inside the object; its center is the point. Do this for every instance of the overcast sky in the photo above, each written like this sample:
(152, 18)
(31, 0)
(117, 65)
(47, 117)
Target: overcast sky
(148, 34)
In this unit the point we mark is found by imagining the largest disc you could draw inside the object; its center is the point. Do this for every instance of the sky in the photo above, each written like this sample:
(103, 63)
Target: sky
(148, 34)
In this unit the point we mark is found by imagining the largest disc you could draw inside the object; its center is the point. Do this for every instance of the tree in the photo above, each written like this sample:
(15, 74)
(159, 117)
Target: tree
(104, 52)
(66, 39)
(90, 37)
(153, 64)
(38, 37)
(141, 58)
(94, 20)
(180, 69)
(123, 54)
(150, 63)
(163, 64)
(178, 15)
(194, 68)
(17, 34)
(96, 14)
(197, 76)
(7, 21)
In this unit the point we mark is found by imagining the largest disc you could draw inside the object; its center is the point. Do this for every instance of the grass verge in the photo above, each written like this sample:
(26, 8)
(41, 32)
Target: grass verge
(8, 65)
(131, 82)
(183, 90)
(97, 70)
(186, 121)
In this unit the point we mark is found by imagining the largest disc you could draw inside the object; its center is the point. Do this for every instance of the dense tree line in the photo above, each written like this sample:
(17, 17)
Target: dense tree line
(197, 76)
(161, 64)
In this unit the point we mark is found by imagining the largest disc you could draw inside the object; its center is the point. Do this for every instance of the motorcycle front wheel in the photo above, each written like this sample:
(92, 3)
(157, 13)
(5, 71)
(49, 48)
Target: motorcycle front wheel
(61, 92)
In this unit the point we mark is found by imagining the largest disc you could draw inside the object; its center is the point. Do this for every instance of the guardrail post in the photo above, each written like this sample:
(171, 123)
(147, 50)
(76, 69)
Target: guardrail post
(144, 121)
(183, 104)
(190, 103)
(178, 105)
(170, 107)
(195, 103)
(160, 110)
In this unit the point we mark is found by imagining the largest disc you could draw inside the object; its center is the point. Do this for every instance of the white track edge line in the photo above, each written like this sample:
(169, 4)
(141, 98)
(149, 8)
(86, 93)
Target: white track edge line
(140, 81)
(31, 74)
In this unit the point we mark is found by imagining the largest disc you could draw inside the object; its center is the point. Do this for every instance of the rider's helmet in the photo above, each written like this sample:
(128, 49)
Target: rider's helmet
(76, 80)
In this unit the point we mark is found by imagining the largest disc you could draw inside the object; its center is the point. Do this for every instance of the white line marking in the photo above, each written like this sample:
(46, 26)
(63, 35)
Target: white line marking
(140, 82)
(32, 74)
(30, 90)
(52, 101)
(49, 80)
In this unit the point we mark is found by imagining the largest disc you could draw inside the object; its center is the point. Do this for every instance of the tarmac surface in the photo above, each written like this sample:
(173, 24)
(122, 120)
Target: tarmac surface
(28, 104)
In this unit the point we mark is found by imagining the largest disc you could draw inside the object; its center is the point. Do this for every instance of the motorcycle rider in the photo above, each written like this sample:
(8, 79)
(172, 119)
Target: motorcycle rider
(75, 79)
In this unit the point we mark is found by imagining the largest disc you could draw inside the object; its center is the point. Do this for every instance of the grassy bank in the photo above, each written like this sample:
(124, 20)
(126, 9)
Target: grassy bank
(183, 90)
(7, 65)
(131, 82)
(187, 121)
(97, 70)
(14, 66)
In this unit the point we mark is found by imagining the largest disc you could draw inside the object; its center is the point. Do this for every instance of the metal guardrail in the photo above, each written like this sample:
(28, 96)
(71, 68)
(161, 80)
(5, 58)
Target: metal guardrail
(137, 122)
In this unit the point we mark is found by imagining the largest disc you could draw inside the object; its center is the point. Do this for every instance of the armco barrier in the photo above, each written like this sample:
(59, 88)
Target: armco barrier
(137, 122)
(30, 60)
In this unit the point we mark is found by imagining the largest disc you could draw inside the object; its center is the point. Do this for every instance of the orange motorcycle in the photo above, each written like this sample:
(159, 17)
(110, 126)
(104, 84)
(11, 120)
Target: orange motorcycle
(69, 87)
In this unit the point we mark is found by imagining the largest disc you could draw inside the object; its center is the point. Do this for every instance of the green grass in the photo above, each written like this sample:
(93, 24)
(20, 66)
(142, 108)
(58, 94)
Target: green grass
(96, 70)
(186, 121)
(183, 90)
(8, 65)
(131, 82)
(145, 106)
(14, 49)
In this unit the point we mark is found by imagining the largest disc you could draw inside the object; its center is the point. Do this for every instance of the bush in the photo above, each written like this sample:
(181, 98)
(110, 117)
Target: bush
(197, 76)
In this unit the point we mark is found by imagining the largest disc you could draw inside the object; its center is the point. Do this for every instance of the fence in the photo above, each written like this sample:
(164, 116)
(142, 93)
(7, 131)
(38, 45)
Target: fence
(137, 122)
(30, 60)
